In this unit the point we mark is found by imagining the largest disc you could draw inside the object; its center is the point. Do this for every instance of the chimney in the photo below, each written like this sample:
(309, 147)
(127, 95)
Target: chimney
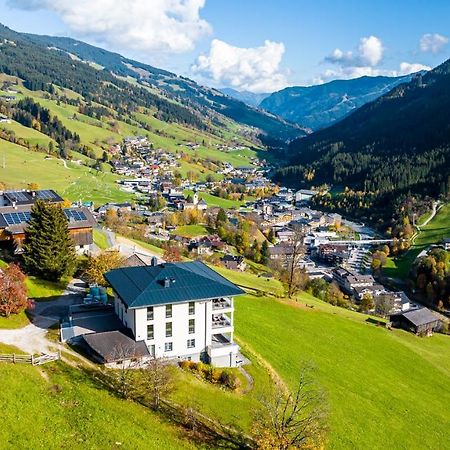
(154, 261)
(14, 205)
(166, 282)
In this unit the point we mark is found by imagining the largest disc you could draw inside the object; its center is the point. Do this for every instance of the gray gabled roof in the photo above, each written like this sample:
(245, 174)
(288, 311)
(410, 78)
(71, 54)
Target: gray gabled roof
(420, 316)
(167, 283)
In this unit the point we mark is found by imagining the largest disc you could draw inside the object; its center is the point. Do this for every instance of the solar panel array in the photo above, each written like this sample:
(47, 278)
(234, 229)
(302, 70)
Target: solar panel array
(19, 196)
(16, 218)
(75, 215)
(45, 195)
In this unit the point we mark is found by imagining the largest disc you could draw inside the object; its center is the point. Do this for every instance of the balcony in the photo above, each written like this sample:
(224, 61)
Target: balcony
(221, 323)
(222, 303)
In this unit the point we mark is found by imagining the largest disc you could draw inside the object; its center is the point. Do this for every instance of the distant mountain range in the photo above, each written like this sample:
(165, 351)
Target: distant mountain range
(43, 60)
(322, 105)
(164, 84)
(250, 98)
(397, 143)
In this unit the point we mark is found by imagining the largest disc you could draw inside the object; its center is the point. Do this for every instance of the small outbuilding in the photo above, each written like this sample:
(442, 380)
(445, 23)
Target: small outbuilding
(419, 321)
(114, 347)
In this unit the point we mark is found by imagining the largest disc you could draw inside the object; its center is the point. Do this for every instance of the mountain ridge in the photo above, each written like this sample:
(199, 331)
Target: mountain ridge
(322, 105)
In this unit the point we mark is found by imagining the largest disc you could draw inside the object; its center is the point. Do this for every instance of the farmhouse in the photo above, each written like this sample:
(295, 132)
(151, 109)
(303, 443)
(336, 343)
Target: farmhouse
(233, 262)
(181, 310)
(419, 321)
(15, 212)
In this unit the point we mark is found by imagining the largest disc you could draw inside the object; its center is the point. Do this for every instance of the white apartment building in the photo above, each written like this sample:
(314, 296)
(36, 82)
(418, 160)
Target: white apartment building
(180, 310)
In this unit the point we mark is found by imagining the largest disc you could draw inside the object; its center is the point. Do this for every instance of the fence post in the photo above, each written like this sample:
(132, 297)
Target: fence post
(32, 360)
(14, 358)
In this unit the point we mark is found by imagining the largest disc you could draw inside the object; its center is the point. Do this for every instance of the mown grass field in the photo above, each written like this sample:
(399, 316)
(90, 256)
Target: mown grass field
(387, 389)
(191, 231)
(433, 233)
(56, 407)
(29, 134)
(75, 182)
(214, 201)
(100, 239)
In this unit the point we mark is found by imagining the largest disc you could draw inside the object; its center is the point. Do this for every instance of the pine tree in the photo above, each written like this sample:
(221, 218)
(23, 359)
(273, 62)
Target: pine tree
(48, 250)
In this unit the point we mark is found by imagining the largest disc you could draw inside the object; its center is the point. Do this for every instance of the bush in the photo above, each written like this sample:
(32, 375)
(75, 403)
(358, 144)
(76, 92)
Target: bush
(229, 379)
(186, 364)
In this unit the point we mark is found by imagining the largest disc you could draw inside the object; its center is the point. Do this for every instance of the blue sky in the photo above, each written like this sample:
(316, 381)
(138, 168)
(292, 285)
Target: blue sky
(249, 44)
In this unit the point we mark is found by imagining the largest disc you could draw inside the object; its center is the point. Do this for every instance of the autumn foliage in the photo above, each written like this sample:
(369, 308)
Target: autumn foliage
(13, 291)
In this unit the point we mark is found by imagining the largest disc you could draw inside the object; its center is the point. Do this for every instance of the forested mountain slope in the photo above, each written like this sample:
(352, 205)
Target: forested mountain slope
(168, 84)
(322, 105)
(401, 141)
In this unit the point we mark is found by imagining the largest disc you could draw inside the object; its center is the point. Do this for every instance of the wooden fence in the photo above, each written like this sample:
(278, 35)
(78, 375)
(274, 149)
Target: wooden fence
(30, 359)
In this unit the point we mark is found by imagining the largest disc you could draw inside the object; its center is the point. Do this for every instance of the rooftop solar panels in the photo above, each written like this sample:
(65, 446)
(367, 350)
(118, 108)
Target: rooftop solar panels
(74, 215)
(46, 195)
(16, 218)
(18, 196)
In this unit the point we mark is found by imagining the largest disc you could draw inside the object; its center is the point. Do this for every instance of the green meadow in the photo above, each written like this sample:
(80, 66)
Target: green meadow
(433, 233)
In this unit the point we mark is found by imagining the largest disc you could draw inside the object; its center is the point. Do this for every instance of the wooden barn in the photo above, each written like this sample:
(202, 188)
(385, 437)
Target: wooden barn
(15, 212)
(419, 321)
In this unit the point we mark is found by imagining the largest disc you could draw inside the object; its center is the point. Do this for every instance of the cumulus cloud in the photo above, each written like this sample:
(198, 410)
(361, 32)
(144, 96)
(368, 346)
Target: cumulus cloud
(368, 54)
(172, 26)
(365, 60)
(251, 69)
(432, 43)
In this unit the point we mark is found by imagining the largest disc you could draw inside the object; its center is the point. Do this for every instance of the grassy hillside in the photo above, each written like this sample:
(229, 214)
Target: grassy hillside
(387, 389)
(62, 403)
(75, 182)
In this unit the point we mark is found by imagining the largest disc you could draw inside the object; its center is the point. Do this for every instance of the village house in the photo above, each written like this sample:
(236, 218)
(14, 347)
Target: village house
(348, 280)
(15, 213)
(180, 310)
(233, 262)
(333, 254)
(304, 196)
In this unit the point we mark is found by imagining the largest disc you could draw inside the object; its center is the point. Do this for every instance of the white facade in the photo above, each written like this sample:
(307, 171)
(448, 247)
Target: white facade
(197, 330)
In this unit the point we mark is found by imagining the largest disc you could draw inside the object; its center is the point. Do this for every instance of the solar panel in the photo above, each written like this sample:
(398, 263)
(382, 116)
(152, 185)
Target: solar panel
(45, 195)
(16, 218)
(75, 215)
(19, 196)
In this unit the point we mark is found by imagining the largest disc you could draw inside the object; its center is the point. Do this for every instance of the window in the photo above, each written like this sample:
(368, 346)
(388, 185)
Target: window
(168, 346)
(152, 350)
(168, 311)
(150, 313)
(150, 333)
(169, 329)
(190, 343)
(191, 326)
(191, 308)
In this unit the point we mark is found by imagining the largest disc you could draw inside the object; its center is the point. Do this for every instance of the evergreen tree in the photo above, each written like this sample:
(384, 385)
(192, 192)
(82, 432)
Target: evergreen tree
(48, 250)
(221, 218)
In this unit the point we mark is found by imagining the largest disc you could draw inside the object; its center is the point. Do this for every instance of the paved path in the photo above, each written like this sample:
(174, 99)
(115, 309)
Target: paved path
(128, 247)
(33, 337)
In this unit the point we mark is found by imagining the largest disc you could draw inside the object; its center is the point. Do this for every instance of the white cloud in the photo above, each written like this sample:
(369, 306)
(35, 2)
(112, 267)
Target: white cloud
(432, 43)
(251, 69)
(364, 61)
(172, 26)
(371, 50)
(407, 68)
(368, 54)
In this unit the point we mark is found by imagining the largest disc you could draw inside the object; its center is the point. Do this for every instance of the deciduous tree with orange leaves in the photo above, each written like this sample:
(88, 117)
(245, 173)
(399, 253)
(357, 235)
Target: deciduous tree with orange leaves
(13, 291)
